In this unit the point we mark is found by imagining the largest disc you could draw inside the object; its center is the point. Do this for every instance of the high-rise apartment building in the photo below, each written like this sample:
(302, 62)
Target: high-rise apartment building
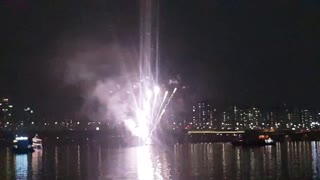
(6, 113)
(202, 116)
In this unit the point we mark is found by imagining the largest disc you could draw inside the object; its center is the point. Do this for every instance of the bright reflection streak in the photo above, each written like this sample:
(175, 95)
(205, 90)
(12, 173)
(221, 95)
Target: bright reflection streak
(144, 164)
(21, 166)
(36, 161)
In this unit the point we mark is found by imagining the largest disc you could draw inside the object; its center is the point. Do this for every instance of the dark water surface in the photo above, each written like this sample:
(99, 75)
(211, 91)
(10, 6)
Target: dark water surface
(292, 160)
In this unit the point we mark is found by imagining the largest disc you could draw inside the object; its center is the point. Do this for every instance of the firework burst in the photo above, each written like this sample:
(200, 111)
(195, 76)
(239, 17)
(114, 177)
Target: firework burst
(150, 100)
(150, 103)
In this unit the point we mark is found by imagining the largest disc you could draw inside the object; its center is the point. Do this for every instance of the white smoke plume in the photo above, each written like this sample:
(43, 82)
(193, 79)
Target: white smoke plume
(104, 75)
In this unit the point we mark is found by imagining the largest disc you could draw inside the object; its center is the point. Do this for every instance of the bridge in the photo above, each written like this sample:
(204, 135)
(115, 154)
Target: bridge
(215, 132)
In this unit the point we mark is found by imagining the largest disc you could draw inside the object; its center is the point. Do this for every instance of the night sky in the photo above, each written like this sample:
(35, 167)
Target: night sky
(230, 51)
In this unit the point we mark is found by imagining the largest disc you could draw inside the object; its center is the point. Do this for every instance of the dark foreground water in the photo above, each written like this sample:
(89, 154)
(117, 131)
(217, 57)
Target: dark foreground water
(294, 160)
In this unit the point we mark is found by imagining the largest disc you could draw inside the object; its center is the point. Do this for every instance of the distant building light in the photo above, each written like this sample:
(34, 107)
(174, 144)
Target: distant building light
(7, 122)
(10, 106)
(78, 122)
(32, 122)
(31, 111)
(97, 128)
(55, 122)
(5, 100)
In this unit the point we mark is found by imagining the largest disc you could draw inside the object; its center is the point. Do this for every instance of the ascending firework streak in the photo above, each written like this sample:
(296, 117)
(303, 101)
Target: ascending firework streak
(163, 108)
(151, 101)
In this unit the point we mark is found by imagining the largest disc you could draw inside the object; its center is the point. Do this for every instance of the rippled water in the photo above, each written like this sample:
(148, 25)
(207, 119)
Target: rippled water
(294, 160)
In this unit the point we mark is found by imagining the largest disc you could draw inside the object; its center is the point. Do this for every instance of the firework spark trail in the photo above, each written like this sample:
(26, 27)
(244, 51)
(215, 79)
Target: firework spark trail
(156, 119)
(161, 105)
(162, 110)
(156, 90)
(170, 98)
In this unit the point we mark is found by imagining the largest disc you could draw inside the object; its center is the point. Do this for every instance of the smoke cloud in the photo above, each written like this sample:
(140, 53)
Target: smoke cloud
(104, 76)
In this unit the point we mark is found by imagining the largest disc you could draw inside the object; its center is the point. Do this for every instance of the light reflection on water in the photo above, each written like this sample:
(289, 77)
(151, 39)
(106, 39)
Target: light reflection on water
(293, 160)
(21, 165)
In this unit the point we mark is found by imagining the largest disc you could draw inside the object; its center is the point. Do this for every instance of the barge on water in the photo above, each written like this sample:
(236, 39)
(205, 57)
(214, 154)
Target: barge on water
(253, 138)
(22, 144)
(36, 142)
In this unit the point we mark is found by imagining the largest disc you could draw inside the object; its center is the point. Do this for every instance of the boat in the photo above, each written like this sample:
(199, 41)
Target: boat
(260, 140)
(22, 144)
(36, 142)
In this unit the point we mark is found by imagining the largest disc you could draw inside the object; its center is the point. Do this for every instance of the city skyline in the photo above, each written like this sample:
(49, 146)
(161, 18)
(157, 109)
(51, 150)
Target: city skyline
(159, 89)
(205, 116)
(202, 115)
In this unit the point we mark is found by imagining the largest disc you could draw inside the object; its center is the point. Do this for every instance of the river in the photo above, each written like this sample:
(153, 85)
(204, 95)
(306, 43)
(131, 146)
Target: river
(291, 160)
